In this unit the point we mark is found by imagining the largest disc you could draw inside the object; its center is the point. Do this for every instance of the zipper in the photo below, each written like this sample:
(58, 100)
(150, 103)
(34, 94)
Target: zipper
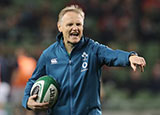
(70, 85)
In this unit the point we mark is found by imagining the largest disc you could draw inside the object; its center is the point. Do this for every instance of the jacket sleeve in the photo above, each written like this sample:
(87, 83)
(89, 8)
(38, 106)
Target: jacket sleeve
(38, 72)
(112, 57)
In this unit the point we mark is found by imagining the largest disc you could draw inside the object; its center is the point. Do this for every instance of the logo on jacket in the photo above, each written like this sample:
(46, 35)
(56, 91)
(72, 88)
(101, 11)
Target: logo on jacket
(85, 56)
(85, 63)
(54, 61)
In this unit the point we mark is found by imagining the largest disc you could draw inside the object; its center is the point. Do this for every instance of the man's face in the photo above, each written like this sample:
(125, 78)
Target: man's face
(71, 25)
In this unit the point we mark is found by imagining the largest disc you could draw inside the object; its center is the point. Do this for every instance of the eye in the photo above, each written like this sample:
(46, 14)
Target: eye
(78, 24)
(70, 24)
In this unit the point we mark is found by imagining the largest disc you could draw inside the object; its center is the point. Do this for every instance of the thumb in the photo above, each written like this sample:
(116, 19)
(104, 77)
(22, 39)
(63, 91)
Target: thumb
(134, 67)
(33, 96)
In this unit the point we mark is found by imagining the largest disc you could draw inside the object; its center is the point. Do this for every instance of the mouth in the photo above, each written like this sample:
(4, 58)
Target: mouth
(74, 37)
(74, 34)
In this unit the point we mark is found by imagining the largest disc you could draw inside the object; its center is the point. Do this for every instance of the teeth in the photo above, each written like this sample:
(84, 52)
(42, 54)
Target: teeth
(74, 34)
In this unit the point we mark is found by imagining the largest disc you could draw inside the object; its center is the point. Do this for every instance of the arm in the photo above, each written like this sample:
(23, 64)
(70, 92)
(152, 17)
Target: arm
(112, 57)
(29, 101)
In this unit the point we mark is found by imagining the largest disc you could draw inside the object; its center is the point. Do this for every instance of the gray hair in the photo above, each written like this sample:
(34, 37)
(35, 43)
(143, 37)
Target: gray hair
(74, 8)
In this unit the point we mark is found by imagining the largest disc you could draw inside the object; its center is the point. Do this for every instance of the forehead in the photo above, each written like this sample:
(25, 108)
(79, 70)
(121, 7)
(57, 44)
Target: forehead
(72, 16)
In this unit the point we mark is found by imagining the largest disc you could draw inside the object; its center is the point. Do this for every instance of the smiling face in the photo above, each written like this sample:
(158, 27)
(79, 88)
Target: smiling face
(71, 25)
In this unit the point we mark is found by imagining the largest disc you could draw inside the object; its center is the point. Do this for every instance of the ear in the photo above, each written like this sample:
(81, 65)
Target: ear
(59, 26)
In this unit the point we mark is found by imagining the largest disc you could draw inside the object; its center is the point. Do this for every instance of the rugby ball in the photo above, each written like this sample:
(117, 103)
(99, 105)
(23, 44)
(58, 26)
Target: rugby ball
(46, 89)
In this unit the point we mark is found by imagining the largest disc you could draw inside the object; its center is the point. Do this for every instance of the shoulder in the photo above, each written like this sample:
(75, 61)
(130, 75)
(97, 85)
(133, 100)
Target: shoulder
(51, 48)
(94, 44)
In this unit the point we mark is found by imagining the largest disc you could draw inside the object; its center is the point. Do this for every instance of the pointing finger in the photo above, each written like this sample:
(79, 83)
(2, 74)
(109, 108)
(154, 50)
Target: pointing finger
(142, 68)
(133, 67)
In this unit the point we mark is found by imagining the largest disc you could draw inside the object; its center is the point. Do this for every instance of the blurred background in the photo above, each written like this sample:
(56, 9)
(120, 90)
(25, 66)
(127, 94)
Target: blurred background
(28, 27)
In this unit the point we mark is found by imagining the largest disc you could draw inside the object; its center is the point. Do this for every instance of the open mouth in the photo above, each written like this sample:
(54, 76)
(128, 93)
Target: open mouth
(74, 34)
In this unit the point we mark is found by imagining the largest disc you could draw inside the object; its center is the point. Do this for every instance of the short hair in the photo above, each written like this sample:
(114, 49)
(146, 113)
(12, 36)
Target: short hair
(74, 8)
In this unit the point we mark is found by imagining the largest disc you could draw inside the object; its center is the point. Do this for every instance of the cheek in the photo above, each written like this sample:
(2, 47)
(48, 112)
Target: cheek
(65, 31)
(81, 29)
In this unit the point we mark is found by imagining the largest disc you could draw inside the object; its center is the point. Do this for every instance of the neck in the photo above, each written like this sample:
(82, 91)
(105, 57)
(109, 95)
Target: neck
(69, 46)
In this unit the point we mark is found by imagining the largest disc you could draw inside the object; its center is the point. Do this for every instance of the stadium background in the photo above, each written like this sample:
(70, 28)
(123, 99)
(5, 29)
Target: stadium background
(28, 27)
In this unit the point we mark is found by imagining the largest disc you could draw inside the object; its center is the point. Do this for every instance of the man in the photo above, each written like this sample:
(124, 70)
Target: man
(76, 67)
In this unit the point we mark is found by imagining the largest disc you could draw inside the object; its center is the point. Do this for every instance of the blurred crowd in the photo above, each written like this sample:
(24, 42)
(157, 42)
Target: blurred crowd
(108, 20)
(28, 27)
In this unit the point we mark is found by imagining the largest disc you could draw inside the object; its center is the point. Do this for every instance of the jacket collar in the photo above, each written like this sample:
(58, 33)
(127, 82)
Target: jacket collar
(59, 36)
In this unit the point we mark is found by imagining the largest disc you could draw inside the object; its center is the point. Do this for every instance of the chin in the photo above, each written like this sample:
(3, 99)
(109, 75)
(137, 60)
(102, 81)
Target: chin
(74, 42)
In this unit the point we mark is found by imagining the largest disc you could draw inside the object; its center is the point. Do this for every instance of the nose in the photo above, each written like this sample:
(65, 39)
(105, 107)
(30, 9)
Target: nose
(75, 27)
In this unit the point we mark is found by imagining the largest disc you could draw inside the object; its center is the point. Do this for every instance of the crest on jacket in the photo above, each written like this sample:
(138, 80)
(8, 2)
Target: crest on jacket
(85, 62)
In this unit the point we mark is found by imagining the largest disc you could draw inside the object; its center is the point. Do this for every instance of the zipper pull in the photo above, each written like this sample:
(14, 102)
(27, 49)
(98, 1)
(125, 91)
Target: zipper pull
(70, 61)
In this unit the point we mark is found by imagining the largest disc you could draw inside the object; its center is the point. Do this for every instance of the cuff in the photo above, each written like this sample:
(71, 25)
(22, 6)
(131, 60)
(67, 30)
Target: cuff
(133, 53)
